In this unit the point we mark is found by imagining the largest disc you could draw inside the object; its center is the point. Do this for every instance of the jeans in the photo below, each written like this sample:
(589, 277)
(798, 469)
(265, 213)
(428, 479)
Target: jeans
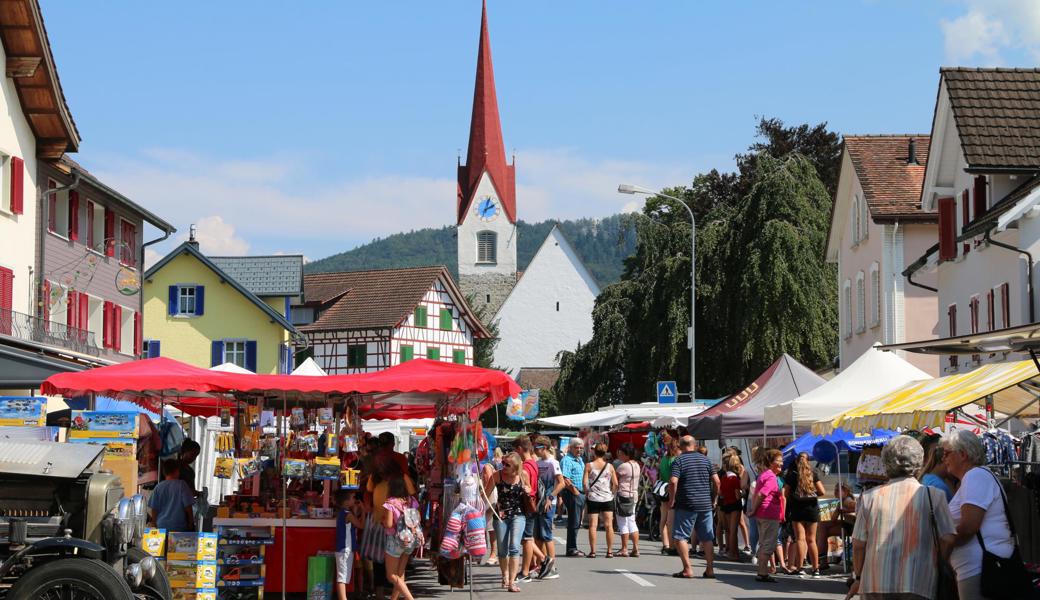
(752, 525)
(508, 533)
(575, 504)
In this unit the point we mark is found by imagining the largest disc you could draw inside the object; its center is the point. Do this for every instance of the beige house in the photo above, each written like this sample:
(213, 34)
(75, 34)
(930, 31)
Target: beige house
(878, 228)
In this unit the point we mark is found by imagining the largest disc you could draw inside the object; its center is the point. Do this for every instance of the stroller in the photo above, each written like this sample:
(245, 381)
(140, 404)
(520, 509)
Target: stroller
(648, 512)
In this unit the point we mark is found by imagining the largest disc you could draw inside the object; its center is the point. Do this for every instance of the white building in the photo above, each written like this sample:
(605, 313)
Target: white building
(877, 229)
(983, 181)
(549, 308)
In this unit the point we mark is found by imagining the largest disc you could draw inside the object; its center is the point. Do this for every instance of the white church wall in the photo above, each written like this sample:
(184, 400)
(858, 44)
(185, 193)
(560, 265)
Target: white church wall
(549, 310)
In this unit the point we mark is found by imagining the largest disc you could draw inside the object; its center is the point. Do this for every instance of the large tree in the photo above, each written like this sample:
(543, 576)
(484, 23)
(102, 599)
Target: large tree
(762, 285)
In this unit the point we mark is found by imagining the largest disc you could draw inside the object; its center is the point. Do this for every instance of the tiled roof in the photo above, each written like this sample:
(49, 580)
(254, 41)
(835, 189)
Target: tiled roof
(537, 378)
(375, 299)
(280, 275)
(997, 112)
(891, 185)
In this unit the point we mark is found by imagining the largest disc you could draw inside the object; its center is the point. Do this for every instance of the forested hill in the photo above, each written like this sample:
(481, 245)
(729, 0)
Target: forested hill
(600, 243)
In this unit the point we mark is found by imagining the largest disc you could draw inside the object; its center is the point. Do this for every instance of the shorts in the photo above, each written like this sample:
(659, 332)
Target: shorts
(529, 523)
(768, 531)
(729, 508)
(688, 522)
(344, 566)
(594, 507)
(627, 525)
(395, 548)
(544, 527)
(804, 511)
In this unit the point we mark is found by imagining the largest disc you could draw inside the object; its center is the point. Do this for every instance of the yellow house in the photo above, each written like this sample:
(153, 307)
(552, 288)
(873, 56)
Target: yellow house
(197, 313)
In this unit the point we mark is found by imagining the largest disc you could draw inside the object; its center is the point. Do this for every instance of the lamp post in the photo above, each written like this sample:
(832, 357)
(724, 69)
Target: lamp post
(625, 188)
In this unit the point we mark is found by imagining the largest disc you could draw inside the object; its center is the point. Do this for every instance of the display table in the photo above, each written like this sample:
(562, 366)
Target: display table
(305, 538)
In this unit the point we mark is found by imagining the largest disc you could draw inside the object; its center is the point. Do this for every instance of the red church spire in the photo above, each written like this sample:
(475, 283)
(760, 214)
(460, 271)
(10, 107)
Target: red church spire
(486, 149)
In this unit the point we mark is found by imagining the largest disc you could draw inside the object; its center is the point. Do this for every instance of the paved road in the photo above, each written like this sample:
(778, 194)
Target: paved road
(650, 574)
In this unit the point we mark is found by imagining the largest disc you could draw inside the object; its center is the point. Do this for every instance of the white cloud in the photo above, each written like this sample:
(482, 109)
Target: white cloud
(993, 32)
(270, 205)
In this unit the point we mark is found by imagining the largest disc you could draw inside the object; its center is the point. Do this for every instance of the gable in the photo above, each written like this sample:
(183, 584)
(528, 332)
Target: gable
(841, 206)
(555, 266)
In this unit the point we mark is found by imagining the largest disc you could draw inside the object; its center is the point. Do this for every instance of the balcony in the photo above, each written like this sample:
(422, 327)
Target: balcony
(34, 329)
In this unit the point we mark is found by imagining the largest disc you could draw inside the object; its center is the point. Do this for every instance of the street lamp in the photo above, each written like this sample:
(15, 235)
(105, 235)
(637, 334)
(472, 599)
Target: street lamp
(625, 188)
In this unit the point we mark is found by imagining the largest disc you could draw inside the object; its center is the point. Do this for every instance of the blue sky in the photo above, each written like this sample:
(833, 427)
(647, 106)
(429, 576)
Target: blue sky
(312, 127)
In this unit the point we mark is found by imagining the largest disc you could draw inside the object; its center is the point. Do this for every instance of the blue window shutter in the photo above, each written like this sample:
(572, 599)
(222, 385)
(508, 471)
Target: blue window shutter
(153, 349)
(217, 353)
(171, 307)
(251, 356)
(200, 299)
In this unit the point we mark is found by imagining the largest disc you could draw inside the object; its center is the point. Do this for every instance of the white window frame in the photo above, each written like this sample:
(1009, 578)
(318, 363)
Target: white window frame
(59, 311)
(182, 294)
(492, 247)
(126, 331)
(99, 228)
(5, 179)
(864, 218)
(846, 295)
(230, 353)
(861, 300)
(95, 318)
(855, 220)
(875, 295)
(61, 213)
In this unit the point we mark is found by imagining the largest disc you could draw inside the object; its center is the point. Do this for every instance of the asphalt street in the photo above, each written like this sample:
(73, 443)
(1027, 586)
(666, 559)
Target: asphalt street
(650, 575)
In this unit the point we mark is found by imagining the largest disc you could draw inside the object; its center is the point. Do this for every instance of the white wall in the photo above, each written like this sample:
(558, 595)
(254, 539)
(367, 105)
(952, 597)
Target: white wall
(472, 224)
(17, 232)
(531, 329)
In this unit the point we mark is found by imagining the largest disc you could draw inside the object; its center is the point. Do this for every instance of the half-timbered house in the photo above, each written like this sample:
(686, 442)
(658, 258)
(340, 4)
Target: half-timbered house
(363, 321)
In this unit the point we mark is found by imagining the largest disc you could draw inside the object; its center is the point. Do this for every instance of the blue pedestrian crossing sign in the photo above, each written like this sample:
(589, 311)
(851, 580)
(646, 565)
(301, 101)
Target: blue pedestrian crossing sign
(667, 392)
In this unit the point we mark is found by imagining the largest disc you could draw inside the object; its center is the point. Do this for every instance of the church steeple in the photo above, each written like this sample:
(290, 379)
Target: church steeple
(486, 150)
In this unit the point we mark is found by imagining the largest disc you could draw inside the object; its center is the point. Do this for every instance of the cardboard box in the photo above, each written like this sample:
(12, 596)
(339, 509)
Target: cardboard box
(154, 542)
(194, 594)
(126, 469)
(192, 573)
(192, 546)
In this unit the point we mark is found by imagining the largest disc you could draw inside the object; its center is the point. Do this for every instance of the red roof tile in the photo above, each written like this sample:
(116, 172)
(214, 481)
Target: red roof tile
(892, 186)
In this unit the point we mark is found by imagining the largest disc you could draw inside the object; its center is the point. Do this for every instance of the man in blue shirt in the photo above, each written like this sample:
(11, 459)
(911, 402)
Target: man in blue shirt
(573, 467)
(694, 483)
(170, 505)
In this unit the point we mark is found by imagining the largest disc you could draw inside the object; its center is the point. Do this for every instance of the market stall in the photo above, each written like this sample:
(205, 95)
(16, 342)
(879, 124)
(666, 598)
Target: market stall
(627, 413)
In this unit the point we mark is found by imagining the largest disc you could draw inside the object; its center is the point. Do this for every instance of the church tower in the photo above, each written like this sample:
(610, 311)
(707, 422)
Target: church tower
(486, 220)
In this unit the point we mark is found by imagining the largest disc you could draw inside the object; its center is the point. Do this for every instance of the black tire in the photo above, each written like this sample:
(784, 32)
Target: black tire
(76, 578)
(159, 584)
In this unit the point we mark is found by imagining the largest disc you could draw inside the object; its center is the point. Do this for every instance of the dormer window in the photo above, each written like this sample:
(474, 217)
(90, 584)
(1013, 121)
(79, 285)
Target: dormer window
(487, 247)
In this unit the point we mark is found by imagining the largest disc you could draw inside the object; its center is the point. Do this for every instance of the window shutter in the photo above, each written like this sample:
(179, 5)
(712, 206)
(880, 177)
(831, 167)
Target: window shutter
(71, 312)
(90, 225)
(117, 327)
(973, 308)
(17, 185)
(200, 297)
(407, 353)
(446, 319)
(458, 357)
(138, 334)
(171, 305)
(420, 316)
(979, 200)
(216, 353)
(251, 356)
(110, 232)
(83, 322)
(951, 313)
(73, 215)
(965, 217)
(153, 349)
(106, 325)
(52, 207)
(947, 229)
(6, 289)
(1005, 304)
(991, 321)
(433, 353)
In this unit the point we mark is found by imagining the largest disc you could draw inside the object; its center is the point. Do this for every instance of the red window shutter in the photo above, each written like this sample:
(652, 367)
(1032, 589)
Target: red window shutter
(106, 325)
(52, 206)
(951, 312)
(84, 319)
(965, 218)
(71, 312)
(90, 224)
(6, 290)
(1005, 304)
(138, 334)
(979, 200)
(117, 327)
(973, 308)
(110, 232)
(947, 229)
(17, 185)
(73, 215)
(991, 321)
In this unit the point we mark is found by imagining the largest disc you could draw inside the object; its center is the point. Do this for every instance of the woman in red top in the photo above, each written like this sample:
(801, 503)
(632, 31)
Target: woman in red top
(730, 506)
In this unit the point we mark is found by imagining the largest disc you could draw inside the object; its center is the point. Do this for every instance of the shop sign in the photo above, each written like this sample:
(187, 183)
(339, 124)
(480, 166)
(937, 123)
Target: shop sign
(23, 411)
(103, 424)
(127, 281)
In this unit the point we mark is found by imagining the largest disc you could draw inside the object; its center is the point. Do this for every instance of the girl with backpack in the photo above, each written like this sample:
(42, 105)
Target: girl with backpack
(403, 534)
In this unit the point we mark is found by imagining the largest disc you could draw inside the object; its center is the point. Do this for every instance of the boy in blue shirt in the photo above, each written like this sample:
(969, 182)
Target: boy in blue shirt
(347, 518)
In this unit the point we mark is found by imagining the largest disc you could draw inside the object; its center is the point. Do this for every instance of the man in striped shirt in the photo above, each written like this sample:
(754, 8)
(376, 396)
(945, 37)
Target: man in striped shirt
(694, 484)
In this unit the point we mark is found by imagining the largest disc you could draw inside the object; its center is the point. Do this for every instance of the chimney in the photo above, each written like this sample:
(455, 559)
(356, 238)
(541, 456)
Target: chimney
(911, 153)
(191, 237)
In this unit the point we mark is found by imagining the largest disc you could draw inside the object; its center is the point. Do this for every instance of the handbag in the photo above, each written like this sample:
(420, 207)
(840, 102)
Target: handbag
(945, 577)
(660, 489)
(625, 505)
(1003, 578)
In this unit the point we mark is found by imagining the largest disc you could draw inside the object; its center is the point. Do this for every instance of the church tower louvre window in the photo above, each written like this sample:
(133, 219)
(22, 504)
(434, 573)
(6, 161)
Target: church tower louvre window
(486, 247)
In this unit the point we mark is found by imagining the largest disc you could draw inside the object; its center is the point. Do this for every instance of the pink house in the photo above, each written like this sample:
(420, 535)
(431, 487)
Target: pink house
(878, 228)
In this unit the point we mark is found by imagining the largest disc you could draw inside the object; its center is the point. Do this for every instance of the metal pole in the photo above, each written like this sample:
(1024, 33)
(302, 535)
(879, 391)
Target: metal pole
(691, 337)
(285, 486)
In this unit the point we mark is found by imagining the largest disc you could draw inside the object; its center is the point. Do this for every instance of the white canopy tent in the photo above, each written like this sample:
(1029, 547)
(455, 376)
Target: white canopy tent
(309, 367)
(626, 413)
(874, 373)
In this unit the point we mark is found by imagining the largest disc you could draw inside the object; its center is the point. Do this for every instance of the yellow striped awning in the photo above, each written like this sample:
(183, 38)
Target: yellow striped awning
(922, 404)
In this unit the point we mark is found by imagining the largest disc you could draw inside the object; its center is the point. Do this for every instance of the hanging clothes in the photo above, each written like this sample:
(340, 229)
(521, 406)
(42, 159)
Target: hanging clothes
(1000, 447)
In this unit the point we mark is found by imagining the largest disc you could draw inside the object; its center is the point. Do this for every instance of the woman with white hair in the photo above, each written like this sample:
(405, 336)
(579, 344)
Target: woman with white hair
(894, 550)
(978, 511)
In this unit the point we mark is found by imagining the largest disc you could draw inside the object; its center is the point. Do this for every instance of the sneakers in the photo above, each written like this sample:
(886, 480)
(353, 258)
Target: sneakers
(815, 573)
(553, 574)
(547, 565)
(524, 578)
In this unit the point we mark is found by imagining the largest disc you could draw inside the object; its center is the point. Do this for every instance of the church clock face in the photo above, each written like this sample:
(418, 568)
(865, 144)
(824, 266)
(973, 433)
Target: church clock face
(487, 209)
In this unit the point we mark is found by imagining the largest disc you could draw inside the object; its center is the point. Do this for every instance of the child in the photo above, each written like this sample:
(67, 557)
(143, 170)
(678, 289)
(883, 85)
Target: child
(346, 520)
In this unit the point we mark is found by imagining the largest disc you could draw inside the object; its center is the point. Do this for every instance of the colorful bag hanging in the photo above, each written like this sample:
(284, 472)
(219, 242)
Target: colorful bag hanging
(475, 538)
(450, 541)
(870, 468)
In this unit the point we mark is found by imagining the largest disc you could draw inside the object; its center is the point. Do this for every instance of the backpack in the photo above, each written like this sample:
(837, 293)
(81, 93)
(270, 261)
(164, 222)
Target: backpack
(409, 529)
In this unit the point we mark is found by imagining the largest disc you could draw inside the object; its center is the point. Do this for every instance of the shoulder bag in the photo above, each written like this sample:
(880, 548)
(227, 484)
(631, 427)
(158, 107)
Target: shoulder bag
(945, 577)
(625, 505)
(530, 502)
(1003, 578)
